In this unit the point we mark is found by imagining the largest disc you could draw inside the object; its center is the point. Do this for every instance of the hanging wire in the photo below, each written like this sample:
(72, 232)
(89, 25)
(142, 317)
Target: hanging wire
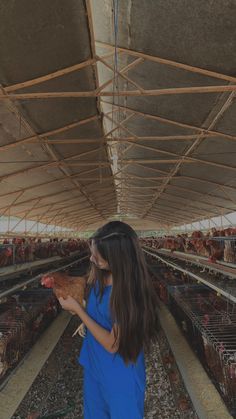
(115, 88)
(116, 115)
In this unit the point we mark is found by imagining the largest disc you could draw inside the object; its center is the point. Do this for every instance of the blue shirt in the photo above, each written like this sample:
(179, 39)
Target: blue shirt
(107, 368)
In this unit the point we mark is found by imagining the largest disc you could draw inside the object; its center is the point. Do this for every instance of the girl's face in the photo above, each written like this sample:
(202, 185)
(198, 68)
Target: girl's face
(97, 259)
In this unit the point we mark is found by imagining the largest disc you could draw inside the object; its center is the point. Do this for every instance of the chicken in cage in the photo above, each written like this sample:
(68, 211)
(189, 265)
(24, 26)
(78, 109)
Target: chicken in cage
(22, 319)
(209, 323)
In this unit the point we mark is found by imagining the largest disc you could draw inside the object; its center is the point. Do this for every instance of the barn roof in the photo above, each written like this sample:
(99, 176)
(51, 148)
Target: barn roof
(117, 108)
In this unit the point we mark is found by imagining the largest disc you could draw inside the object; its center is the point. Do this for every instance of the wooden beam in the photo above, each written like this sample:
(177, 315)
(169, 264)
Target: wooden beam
(209, 122)
(55, 74)
(55, 155)
(131, 199)
(48, 222)
(129, 187)
(150, 169)
(175, 123)
(232, 188)
(77, 203)
(169, 213)
(203, 195)
(68, 141)
(127, 176)
(170, 63)
(19, 194)
(178, 209)
(187, 160)
(64, 170)
(80, 214)
(119, 73)
(126, 93)
(228, 196)
(63, 179)
(169, 153)
(120, 124)
(50, 195)
(102, 140)
(151, 161)
(122, 71)
(51, 76)
(26, 214)
(178, 177)
(49, 133)
(86, 218)
(177, 199)
(41, 217)
(163, 217)
(188, 190)
(58, 164)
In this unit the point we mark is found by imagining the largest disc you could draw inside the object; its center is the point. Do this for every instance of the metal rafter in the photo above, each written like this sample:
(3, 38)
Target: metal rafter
(191, 178)
(180, 209)
(80, 215)
(8, 208)
(175, 123)
(41, 217)
(120, 73)
(43, 136)
(50, 76)
(55, 74)
(161, 151)
(80, 175)
(55, 205)
(204, 211)
(26, 214)
(164, 138)
(203, 133)
(192, 148)
(184, 177)
(50, 195)
(56, 157)
(54, 164)
(122, 93)
(86, 219)
(169, 213)
(180, 188)
(93, 50)
(170, 63)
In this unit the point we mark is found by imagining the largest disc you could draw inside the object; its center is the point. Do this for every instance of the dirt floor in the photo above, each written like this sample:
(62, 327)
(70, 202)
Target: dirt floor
(58, 390)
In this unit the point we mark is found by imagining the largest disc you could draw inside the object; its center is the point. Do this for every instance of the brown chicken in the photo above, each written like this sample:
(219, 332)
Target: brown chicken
(64, 285)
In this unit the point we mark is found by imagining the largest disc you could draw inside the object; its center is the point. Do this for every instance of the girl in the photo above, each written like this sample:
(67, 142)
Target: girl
(121, 320)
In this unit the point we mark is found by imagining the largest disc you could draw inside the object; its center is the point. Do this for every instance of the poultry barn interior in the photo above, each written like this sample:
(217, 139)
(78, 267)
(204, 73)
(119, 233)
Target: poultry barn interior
(118, 110)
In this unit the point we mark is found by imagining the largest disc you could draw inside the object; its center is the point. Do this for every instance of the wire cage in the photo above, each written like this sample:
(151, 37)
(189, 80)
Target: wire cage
(209, 322)
(6, 255)
(163, 278)
(14, 337)
(213, 247)
(27, 250)
(22, 319)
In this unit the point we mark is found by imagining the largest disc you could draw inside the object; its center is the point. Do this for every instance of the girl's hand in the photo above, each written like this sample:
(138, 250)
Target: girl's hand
(81, 330)
(69, 304)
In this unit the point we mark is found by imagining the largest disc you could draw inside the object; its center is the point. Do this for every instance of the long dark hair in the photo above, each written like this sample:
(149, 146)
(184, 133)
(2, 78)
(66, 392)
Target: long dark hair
(133, 301)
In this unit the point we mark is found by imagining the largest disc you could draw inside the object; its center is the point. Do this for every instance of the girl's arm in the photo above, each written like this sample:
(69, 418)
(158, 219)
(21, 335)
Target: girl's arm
(102, 335)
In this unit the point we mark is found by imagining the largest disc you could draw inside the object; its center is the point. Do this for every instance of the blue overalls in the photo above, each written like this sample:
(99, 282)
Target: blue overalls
(112, 389)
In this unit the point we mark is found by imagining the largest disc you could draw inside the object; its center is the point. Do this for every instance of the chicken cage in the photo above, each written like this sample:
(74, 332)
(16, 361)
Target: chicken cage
(209, 323)
(163, 278)
(22, 319)
(220, 246)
